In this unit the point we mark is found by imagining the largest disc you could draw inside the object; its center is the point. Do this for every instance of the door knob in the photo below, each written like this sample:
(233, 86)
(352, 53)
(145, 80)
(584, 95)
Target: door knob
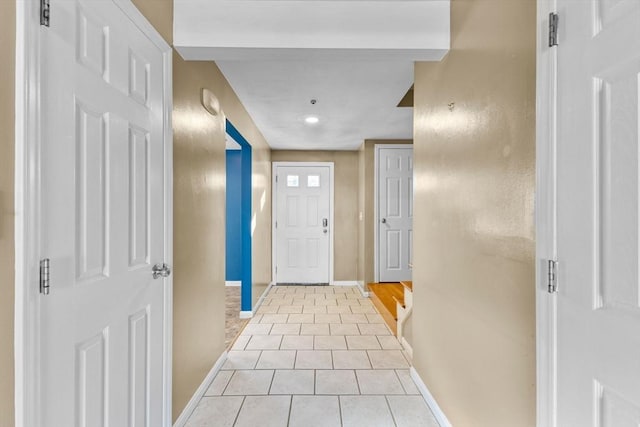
(161, 270)
(384, 220)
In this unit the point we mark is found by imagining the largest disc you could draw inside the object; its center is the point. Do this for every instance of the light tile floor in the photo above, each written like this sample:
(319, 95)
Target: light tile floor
(314, 356)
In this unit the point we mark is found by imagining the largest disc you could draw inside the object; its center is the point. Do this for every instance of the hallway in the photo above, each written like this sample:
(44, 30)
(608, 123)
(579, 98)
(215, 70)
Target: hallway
(314, 356)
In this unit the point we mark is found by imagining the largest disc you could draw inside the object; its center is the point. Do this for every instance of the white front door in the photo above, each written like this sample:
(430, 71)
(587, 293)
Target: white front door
(598, 216)
(303, 207)
(103, 122)
(395, 213)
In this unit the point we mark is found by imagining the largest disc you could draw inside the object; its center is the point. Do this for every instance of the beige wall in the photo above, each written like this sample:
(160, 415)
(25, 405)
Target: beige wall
(7, 53)
(346, 204)
(366, 189)
(474, 308)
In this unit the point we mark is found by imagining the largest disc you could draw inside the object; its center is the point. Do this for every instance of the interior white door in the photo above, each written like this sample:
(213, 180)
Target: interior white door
(395, 213)
(598, 301)
(303, 206)
(101, 328)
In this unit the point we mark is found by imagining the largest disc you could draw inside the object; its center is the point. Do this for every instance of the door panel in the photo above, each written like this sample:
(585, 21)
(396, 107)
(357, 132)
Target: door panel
(103, 221)
(302, 239)
(598, 216)
(395, 213)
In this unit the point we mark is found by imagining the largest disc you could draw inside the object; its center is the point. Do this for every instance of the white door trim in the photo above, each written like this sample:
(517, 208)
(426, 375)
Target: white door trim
(545, 217)
(274, 195)
(376, 206)
(27, 209)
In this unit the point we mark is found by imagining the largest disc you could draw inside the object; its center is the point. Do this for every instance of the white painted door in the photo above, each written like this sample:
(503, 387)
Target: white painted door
(303, 207)
(101, 329)
(598, 302)
(395, 213)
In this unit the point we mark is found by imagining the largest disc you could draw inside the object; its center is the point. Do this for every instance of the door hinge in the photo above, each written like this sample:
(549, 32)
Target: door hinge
(276, 178)
(552, 276)
(44, 276)
(553, 29)
(276, 224)
(44, 13)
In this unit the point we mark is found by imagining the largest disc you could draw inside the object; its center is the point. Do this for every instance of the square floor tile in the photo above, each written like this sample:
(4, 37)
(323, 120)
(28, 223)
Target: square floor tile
(336, 382)
(276, 359)
(290, 309)
(410, 411)
(314, 359)
(241, 342)
(407, 382)
(387, 359)
(219, 383)
(314, 309)
(373, 329)
(285, 329)
(264, 411)
(264, 342)
(301, 318)
(354, 318)
(344, 329)
(379, 382)
(215, 412)
(241, 360)
(389, 342)
(363, 309)
(293, 382)
(339, 309)
(370, 411)
(257, 329)
(327, 318)
(249, 382)
(275, 318)
(375, 318)
(315, 411)
(297, 342)
(326, 302)
(267, 309)
(315, 329)
(329, 342)
(351, 359)
(363, 342)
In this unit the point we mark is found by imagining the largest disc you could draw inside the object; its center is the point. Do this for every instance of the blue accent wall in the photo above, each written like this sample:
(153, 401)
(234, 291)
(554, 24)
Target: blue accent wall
(234, 211)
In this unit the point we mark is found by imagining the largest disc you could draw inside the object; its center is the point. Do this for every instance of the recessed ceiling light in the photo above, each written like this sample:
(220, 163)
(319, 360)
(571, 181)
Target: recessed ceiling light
(311, 120)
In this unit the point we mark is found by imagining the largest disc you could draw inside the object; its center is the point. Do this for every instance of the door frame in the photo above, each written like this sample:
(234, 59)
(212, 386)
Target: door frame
(246, 212)
(376, 204)
(27, 219)
(274, 212)
(546, 217)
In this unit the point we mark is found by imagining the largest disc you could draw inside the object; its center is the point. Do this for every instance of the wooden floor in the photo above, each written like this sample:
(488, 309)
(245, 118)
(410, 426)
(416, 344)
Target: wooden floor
(385, 297)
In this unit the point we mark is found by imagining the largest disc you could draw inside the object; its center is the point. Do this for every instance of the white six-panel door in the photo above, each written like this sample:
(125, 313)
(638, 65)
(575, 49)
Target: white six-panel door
(302, 228)
(598, 214)
(102, 326)
(395, 213)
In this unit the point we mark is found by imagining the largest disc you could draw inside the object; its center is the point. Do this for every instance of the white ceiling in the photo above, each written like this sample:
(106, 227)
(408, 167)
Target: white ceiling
(356, 100)
(354, 57)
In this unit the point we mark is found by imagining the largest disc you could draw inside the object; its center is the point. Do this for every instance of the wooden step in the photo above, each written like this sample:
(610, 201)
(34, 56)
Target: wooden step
(408, 284)
(386, 296)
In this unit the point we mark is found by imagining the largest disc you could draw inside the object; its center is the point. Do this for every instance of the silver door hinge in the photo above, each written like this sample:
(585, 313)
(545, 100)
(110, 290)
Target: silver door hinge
(553, 29)
(276, 178)
(276, 224)
(552, 276)
(44, 276)
(44, 13)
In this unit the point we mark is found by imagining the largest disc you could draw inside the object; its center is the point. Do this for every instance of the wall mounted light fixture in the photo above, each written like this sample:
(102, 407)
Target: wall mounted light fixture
(210, 102)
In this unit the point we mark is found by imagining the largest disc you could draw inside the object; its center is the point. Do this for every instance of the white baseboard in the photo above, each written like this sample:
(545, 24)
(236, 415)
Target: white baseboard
(195, 399)
(233, 283)
(345, 283)
(428, 397)
(261, 299)
(362, 289)
(407, 347)
(246, 314)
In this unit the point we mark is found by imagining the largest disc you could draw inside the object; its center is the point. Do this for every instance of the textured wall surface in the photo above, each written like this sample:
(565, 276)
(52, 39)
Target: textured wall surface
(346, 204)
(474, 142)
(7, 214)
